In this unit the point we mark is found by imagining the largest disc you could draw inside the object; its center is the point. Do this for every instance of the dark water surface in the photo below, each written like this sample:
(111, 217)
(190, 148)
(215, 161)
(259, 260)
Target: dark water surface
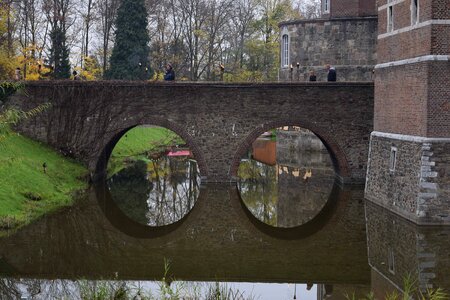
(277, 226)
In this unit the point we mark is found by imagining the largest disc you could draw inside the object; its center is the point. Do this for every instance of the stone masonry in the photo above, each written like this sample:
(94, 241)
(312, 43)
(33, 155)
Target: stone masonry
(412, 111)
(397, 248)
(219, 122)
(345, 38)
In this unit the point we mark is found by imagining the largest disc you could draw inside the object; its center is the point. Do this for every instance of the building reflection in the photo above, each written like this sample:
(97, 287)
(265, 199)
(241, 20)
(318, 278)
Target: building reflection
(398, 249)
(288, 179)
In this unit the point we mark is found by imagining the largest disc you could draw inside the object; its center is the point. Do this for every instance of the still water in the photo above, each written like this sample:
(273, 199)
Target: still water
(286, 228)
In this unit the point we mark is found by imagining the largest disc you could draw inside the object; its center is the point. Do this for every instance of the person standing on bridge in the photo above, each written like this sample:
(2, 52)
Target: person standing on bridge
(170, 73)
(331, 73)
(312, 76)
(75, 75)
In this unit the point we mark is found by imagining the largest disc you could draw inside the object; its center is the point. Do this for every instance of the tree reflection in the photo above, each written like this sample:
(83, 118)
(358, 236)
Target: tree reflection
(157, 192)
(292, 191)
(258, 188)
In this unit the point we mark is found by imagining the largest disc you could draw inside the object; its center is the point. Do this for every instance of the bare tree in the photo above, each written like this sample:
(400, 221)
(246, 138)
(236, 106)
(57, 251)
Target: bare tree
(107, 10)
(310, 9)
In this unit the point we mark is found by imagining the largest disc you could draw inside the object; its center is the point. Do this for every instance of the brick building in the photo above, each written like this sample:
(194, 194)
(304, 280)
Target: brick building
(409, 156)
(345, 37)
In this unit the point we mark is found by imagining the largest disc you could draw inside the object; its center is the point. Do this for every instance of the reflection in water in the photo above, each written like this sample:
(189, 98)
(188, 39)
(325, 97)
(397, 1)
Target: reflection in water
(158, 192)
(37, 289)
(216, 242)
(288, 181)
(398, 248)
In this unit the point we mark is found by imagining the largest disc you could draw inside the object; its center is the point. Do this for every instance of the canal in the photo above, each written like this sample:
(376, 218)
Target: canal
(285, 230)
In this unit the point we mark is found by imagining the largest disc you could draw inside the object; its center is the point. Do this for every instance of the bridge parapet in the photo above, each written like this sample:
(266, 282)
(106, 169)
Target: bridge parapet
(219, 121)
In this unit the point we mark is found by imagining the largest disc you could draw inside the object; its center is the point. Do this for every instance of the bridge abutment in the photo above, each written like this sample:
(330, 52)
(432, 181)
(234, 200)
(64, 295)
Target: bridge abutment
(409, 159)
(409, 176)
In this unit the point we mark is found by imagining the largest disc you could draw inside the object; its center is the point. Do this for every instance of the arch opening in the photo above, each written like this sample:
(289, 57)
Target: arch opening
(285, 175)
(151, 173)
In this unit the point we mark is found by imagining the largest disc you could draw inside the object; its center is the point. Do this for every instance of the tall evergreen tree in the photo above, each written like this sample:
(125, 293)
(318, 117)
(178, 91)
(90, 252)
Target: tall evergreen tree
(59, 56)
(130, 55)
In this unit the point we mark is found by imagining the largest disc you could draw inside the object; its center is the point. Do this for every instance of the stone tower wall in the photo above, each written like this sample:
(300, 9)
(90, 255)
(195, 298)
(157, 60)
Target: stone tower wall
(347, 44)
(412, 112)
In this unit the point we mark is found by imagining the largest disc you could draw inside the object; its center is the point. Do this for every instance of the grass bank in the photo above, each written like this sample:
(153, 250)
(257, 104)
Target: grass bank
(26, 191)
(140, 143)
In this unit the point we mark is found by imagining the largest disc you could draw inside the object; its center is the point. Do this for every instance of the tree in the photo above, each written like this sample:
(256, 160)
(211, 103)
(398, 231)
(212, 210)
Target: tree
(59, 54)
(107, 9)
(130, 55)
(6, 48)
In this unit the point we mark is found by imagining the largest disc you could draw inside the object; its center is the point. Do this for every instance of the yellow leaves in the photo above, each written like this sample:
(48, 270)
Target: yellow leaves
(92, 69)
(6, 65)
(35, 68)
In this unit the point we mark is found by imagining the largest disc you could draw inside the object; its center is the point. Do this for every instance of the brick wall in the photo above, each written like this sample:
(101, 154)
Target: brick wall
(352, 8)
(441, 9)
(401, 108)
(344, 8)
(367, 8)
(438, 106)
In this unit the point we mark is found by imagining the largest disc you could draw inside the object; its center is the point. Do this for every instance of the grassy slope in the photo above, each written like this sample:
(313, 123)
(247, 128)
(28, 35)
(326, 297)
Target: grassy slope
(142, 139)
(138, 141)
(21, 172)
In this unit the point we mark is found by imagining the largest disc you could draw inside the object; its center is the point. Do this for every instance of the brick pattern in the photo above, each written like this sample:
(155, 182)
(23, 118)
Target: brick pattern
(367, 8)
(349, 45)
(352, 8)
(218, 121)
(440, 39)
(344, 8)
(441, 9)
(401, 108)
(438, 106)
(405, 45)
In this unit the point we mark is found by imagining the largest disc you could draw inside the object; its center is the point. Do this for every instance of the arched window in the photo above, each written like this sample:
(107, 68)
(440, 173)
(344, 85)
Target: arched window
(390, 18)
(285, 51)
(326, 6)
(414, 12)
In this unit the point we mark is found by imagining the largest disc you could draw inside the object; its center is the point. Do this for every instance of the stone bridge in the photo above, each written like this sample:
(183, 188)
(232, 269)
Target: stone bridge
(219, 121)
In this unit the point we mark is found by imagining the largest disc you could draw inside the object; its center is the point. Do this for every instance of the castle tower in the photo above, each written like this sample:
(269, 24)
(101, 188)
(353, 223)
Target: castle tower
(409, 158)
(345, 37)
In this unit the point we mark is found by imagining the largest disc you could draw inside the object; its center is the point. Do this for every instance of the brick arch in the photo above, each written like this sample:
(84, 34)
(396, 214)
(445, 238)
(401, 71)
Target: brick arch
(337, 155)
(103, 158)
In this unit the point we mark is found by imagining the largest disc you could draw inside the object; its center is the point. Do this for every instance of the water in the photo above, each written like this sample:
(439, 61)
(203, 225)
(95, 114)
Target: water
(308, 234)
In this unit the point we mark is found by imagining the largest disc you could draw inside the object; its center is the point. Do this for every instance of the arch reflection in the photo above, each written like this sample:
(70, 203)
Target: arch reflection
(287, 177)
(153, 178)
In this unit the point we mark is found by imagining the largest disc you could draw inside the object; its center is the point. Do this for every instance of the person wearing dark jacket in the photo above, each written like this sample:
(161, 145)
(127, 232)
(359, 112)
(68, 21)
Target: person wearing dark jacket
(170, 73)
(331, 73)
(312, 76)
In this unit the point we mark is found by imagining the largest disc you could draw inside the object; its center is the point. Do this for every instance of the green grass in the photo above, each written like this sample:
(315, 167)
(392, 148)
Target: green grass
(142, 139)
(26, 192)
(139, 141)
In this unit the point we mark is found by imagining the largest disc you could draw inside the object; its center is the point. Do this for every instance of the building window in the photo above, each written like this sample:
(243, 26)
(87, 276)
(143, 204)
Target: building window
(414, 12)
(326, 6)
(390, 18)
(391, 260)
(285, 51)
(393, 159)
